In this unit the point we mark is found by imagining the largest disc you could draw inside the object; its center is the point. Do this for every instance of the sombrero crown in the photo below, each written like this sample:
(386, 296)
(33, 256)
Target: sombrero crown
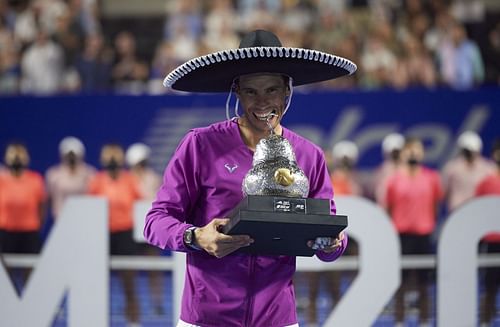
(259, 52)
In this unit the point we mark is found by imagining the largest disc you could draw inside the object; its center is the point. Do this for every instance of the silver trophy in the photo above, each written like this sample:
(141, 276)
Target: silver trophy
(275, 171)
(275, 210)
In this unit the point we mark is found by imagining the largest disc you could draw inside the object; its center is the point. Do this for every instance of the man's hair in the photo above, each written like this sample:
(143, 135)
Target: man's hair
(286, 80)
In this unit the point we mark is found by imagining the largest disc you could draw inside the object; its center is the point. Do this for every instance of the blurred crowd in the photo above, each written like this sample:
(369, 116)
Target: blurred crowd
(411, 193)
(60, 46)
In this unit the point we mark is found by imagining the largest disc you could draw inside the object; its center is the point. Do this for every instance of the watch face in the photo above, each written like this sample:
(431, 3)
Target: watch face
(188, 236)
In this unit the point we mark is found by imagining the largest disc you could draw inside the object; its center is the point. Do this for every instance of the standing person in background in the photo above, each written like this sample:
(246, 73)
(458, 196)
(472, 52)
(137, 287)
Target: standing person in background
(120, 188)
(149, 182)
(413, 195)
(391, 150)
(462, 174)
(490, 185)
(22, 198)
(70, 177)
(344, 158)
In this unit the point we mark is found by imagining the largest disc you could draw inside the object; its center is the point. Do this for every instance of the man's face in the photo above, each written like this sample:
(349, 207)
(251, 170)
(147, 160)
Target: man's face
(260, 95)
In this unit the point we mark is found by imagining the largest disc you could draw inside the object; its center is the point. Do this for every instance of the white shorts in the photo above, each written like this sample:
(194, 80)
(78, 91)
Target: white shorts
(181, 323)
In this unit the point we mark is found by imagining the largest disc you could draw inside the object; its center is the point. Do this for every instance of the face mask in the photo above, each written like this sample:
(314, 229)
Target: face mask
(17, 165)
(468, 154)
(395, 155)
(346, 163)
(71, 159)
(413, 161)
(112, 165)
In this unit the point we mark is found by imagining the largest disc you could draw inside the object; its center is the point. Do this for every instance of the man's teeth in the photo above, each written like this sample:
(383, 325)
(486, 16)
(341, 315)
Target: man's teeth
(264, 116)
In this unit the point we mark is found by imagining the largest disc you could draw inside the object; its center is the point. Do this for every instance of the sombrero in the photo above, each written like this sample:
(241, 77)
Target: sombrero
(259, 52)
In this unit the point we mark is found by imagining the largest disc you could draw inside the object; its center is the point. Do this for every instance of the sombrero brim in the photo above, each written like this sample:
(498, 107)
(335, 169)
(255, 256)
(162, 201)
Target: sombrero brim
(216, 71)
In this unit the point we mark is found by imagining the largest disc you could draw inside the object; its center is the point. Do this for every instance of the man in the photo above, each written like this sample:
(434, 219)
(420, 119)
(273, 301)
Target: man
(490, 185)
(462, 174)
(120, 188)
(202, 183)
(413, 195)
(71, 176)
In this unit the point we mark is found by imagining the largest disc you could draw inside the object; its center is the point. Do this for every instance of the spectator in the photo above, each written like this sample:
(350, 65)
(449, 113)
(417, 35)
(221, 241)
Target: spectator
(492, 53)
(22, 198)
(413, 195)
(462, 174)
(27, 23)
(42, 66)
(129, 73)
(391, 150)
(377, 61)
(184, 15)
(461, 65)
(220, 26)
(120, 188)
(490, 185)
(70, 177)
(86, 13)
(94, 65)
(415, 67)
(149, 182)
(10, 70)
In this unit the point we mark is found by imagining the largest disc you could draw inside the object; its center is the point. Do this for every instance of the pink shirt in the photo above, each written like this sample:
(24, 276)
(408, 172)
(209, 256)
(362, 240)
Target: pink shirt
(412, 201)
(62, 183)
(489, 186)
(460, 179)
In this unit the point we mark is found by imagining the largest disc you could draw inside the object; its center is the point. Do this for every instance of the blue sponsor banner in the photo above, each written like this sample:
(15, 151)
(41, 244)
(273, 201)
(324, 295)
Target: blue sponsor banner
(438, 117)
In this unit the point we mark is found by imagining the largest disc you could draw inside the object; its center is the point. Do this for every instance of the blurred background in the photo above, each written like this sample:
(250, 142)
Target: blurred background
(81, 97)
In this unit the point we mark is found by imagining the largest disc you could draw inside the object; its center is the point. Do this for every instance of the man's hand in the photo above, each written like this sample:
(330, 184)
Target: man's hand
(210, 239)
(327, 244)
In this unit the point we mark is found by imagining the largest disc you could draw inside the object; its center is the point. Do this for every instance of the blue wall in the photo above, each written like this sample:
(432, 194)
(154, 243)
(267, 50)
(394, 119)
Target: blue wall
(364, 117)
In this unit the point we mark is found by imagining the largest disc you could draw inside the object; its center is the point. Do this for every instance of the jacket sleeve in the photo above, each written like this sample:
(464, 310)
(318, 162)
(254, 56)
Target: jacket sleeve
(321, 188)
(169, 216)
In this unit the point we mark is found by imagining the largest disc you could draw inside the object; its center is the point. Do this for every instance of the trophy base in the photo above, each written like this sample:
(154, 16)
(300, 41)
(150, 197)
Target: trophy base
(283, 225)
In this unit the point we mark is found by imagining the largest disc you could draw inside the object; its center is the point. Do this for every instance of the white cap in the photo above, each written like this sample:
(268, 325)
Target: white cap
(471, 141)
(391, 142)
(346, 149)
(136, 153)
(71, 144)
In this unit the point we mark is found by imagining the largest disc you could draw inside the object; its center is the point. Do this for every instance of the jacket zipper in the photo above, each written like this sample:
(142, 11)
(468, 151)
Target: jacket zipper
(250, 292)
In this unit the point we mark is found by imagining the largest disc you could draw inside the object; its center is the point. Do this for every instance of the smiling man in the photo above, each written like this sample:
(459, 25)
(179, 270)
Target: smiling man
(203, 183)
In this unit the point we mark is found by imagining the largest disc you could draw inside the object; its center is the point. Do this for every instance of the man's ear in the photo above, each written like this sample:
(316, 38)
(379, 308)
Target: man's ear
(287, 91)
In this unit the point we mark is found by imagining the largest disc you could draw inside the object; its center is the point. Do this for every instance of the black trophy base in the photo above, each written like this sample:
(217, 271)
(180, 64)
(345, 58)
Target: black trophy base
(281, 225)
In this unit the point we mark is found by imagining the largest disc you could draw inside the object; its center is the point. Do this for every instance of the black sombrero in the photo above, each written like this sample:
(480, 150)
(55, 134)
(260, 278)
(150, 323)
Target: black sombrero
(259, 52)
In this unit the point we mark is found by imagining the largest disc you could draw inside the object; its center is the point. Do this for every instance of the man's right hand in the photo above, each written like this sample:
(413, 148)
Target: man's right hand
(210, 239)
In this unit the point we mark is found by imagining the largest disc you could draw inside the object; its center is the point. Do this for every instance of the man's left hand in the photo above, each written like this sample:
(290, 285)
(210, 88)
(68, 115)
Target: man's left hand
(327, 244)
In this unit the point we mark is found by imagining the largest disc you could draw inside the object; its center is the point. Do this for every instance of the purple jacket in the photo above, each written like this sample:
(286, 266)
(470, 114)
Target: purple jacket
(203, 181)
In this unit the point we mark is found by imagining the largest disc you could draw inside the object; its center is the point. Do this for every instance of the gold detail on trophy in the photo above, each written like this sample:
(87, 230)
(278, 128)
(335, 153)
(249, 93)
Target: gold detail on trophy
(284, 177)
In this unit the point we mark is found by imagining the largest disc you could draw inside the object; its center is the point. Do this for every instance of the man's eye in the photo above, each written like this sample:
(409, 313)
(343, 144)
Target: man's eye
(249, 92)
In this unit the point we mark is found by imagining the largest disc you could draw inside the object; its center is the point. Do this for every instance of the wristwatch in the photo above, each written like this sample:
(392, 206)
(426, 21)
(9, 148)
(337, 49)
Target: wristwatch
(189, 238)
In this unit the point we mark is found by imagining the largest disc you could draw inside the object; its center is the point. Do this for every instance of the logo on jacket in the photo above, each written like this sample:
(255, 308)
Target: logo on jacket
(231, 169)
